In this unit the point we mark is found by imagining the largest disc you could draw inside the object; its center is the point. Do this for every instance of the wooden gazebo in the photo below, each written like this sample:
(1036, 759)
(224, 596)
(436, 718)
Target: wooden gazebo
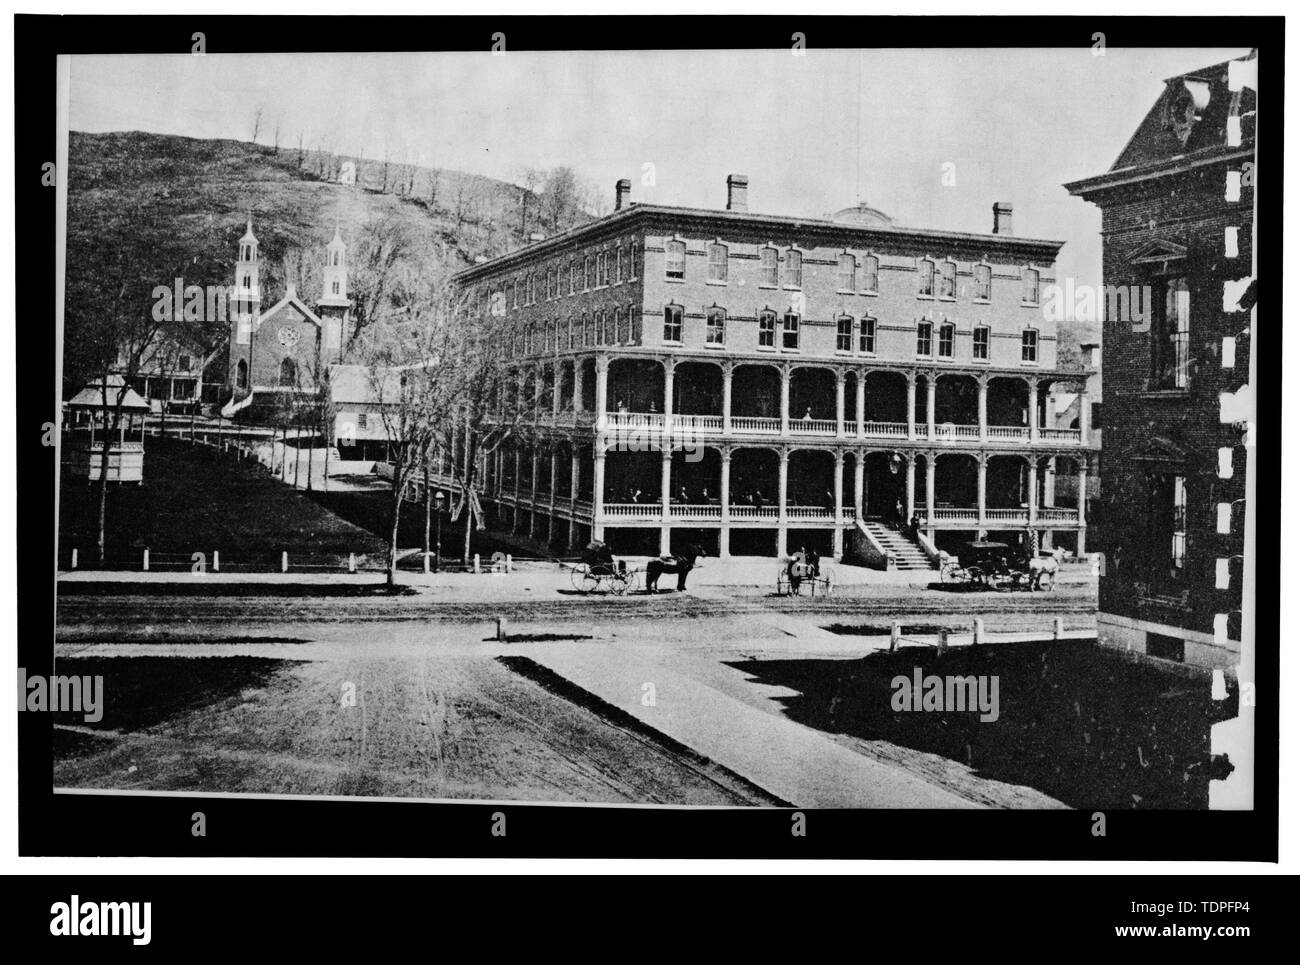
(89, 422)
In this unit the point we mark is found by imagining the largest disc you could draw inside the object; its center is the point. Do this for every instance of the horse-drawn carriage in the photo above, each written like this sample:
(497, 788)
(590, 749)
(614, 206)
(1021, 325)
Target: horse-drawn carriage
(799, 573)
(998, 566)
(598, 570)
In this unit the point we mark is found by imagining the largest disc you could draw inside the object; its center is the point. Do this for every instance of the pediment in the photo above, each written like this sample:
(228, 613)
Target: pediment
(1159, 449)
(1158, 251)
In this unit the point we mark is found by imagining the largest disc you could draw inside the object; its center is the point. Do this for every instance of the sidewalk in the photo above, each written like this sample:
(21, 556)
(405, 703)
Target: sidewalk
(795, 763)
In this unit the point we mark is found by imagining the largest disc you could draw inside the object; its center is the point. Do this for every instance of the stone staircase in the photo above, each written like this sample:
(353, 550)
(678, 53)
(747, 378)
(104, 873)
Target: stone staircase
(907, 554)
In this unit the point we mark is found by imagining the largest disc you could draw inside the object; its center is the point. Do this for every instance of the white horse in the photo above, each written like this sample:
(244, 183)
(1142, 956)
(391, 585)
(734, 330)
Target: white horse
(1044, 568)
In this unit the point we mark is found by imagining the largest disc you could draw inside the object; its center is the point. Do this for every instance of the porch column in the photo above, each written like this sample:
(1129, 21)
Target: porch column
(982, 486)
(557, 374)
(727, 368)
(602, 391)
(514, 517)
(1083, 493)
(1033, 410)
(910, 508)
(984, 408)
(598, 493)
(839, 404)
(1049, 482)
(929, 491)
(862, 404)
(860, 483)
(837, 540)
(577, 385)
(1033, 489)
(782, 521)
(785, 400)
(532, 496)
(1085, 414)
(665, 497)
(724, 534)
(930, 382)
(911, 405)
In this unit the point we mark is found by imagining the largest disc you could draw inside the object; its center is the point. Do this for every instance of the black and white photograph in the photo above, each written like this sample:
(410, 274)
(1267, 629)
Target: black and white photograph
(791, 424)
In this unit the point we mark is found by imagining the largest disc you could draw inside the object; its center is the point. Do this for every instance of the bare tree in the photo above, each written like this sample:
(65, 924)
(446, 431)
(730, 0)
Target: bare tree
(276, 137)
(257, 123)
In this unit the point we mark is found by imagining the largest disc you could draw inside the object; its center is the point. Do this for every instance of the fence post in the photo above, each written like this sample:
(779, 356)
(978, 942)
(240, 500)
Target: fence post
(943, 640)
(503, 629)
(1058, 628)
(978, 636)
(510, 563)
(74, 557)
(895, 633)
(146, 560)
(352, 562)
(284, 561)
(476, 569)
(216, 561)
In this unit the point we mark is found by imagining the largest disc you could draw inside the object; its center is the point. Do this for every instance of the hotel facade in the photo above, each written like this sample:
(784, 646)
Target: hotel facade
(755, 384)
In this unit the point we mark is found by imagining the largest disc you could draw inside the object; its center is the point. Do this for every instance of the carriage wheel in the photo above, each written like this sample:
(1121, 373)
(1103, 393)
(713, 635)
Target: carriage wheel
(619, 584)
(782, 583)
(582, 579)
(1047, 581)
(977, 575)
(951, 573)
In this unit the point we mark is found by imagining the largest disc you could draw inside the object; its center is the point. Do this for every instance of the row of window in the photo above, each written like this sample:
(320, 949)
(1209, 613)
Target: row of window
(927, 337)
(609, 266)
(937, 279)
(619, 326)
(616, 326)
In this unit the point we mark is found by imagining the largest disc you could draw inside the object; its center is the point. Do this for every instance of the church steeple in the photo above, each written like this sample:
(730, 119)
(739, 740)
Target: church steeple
(336, 271)
(334, 306)
(246, 298)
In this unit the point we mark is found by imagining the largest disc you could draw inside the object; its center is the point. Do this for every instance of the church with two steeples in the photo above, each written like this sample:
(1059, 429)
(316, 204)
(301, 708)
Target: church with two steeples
(284, 350)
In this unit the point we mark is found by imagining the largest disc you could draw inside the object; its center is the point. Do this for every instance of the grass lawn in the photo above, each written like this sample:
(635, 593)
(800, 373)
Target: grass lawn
(195, 499)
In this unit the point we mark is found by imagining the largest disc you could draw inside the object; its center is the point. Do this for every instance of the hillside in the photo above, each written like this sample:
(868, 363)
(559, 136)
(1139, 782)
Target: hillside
(145, 208)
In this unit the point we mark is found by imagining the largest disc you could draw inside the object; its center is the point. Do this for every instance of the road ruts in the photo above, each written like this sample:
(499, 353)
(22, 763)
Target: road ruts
(124, 610)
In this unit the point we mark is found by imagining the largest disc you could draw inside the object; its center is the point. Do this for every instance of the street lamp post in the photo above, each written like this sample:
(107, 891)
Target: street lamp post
(439, 500)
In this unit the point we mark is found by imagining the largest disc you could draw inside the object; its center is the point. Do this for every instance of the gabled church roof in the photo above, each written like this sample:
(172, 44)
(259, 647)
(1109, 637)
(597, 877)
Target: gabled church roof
(291, 302)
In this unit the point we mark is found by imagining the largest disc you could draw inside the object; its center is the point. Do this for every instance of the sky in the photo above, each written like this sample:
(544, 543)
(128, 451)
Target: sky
(931, 137)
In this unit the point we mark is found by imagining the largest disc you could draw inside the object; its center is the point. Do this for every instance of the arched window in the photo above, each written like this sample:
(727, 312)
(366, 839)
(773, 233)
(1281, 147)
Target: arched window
(924, 337)
(675, 259)
(925, 281)
(844, 333)
(1030, 278)
(980, 343)
(717, 262)
(848, 273)
(241, 375)
(767, 329)
(794, 268)
(871, 274)
(672, 323)
(715, 332)
(983, 282)
(947, 338)
(288, 373)
(767, 266)
(867, 335)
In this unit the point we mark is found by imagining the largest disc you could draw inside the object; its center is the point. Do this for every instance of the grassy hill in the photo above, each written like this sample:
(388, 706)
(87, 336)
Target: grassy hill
(150, 207)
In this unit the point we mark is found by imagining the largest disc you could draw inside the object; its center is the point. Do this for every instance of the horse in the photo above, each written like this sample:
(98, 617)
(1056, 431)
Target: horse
(1044, 568)
(681, 564)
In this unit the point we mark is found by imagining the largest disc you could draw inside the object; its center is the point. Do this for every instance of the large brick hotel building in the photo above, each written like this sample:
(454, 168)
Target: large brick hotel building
(1177, 220)
(755, 383)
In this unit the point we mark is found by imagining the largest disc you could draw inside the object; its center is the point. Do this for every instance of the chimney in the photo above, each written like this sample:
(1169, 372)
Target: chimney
(1091, 354)
(737, 192)
(622, 188)
(1002, 218)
